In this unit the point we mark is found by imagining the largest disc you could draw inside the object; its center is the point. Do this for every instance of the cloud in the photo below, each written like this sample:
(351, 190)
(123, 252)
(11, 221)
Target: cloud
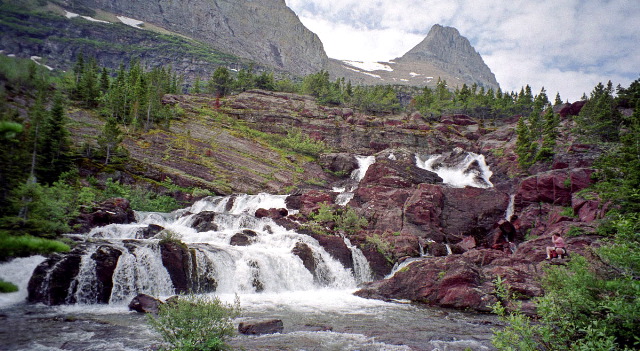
(567, 46)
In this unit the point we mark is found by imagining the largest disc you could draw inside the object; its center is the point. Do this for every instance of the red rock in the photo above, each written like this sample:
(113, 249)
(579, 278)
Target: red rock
(554, 187)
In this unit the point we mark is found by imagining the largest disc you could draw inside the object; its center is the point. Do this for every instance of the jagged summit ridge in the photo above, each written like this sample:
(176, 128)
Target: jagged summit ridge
(447, 49)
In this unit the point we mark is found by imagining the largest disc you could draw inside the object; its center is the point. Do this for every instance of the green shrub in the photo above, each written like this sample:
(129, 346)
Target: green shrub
(27, 245)
(196, 322)
(6, 287)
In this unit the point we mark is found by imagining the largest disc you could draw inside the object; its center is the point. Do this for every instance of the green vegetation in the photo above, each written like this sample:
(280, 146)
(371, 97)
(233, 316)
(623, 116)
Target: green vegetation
(6, 287)
(195, 322)
(344, 220)
(26, 245)
(592, 302)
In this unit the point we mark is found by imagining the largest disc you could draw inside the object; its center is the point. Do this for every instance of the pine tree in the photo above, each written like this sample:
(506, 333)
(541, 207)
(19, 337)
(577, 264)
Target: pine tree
(523, 144)
(196, 86)
(109, 139)
(549, 136)
(558, 100)
(220, 82)
(55, 153)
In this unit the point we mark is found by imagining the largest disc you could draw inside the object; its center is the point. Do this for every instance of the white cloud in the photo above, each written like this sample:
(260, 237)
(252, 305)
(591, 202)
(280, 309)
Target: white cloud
(567, 46)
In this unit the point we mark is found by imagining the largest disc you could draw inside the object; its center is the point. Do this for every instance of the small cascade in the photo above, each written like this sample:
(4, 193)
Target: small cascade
(346, 192)
(363, 165)
(458, 169)
(449, 252)
(361, 267)
(510, 208)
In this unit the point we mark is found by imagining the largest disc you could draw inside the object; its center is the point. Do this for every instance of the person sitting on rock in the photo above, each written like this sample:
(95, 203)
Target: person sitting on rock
(558, 249)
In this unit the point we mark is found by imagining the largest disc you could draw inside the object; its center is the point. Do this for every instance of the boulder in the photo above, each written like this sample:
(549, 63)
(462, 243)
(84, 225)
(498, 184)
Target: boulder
(304, 252)
(106, 259)
(51, 282)
(259, 327)
(244, 238)
(144, 303)
(310, 201)
(336, 247)
(203, 221)
(176, 258)
(273, 213)
(150, 231)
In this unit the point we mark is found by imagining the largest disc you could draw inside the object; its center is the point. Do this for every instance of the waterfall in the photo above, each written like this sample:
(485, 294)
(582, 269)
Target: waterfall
(235, 253)
(363, 165)
(510, 208)
(346, 193)
(459, 168)
(361, 268)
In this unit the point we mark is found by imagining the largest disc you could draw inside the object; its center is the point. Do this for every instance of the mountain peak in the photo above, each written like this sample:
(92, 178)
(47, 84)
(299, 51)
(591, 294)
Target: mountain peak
(447, 49)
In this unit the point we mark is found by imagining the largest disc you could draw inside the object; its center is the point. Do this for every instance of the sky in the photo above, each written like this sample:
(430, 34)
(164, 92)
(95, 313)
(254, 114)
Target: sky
(565, 46)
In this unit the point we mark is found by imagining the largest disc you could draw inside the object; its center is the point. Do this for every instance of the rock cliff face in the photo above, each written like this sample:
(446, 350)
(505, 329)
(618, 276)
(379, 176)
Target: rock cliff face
(265, 31)
(445, 48)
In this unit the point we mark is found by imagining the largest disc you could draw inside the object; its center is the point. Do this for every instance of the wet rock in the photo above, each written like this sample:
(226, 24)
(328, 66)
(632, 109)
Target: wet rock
(150, 231)
(176, 258)
(273, 213)
(437, 249)
(203, 221)
(106, 259)
(336, 247)
(310, 201)
(396, 174)
(259, 327)
(144, 303)
(244, 238)
(304, 252)
(51, 281)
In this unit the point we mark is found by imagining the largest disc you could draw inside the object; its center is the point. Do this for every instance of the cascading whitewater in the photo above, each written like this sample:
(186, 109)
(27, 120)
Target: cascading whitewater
(118, 261)
(458, 169)
(346, 193)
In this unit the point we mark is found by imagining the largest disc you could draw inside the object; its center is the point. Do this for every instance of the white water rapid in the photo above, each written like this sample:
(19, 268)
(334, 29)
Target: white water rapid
(458, 169)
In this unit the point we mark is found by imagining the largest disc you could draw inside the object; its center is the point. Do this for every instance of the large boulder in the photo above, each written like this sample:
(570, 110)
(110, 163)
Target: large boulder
(106, 260)
(144, 303)
(259, 327)
(176, 258)
(339, 163)
(243, 238)
(310, 201)
(204, 221)
(51, 282)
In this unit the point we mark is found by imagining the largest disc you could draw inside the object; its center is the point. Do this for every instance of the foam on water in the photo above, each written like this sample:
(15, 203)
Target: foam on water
(18, 272)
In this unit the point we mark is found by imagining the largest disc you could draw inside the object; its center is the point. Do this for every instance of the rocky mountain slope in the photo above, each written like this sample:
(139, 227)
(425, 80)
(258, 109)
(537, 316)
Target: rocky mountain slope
(443, 54)
(267, 32)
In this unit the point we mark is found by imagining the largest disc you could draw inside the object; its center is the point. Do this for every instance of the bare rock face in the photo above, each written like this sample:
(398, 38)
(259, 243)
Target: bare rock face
(265, 31)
